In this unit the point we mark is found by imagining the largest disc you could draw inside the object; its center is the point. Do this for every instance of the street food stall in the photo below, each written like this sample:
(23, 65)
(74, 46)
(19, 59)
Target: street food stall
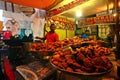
(73, 57)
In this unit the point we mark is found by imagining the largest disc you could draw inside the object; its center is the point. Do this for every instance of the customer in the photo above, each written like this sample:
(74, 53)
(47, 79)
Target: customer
(85, 35)
(51, 36)
(110, 38)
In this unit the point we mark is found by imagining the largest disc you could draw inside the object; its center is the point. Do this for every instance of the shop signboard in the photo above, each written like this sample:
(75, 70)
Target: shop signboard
(65, 7)
(61, 22)
(110, 19)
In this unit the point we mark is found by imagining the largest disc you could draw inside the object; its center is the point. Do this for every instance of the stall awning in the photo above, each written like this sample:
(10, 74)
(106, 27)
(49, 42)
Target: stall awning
(41, 4)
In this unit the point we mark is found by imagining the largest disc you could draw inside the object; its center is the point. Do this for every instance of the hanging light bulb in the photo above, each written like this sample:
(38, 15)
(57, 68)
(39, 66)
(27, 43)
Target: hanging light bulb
(78, 13)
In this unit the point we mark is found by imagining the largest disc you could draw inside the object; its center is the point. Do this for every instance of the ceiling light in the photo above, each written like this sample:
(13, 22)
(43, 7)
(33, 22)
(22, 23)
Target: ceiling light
(78, 13)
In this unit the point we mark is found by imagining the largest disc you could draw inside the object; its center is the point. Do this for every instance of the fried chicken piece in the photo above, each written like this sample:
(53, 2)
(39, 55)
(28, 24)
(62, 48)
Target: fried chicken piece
(75, 64)
(78, 70)
(56, 56)
(97, 61)
(69, 69)
(55, 62)
(64, 64)
(70, 61)
(60, 66)
(80, 56)
(105, 59)
(68, 56)
(89, 52)
(87, 62)
(86, 69)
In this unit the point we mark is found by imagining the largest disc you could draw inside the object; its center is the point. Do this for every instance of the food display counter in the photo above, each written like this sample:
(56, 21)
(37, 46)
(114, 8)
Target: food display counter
(46, 71)
(73, 59)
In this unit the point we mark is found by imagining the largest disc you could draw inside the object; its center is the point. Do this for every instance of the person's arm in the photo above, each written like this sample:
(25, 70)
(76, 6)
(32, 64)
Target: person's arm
(40, 38)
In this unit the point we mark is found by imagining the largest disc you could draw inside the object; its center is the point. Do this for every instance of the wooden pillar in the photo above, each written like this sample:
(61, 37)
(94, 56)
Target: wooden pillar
(12, 7)
(117, 27)
(5, 3)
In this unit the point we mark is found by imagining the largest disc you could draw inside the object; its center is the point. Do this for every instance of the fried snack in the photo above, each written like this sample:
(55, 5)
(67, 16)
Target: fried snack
(69, 69)
(89, 59)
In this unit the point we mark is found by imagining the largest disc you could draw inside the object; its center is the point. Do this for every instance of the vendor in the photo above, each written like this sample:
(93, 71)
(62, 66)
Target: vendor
(51, 36)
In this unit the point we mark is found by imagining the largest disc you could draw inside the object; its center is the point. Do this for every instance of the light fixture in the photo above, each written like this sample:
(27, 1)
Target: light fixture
(78, 13)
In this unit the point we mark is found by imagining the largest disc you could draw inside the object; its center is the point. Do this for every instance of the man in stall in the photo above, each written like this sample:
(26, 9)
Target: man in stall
(51, 36)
